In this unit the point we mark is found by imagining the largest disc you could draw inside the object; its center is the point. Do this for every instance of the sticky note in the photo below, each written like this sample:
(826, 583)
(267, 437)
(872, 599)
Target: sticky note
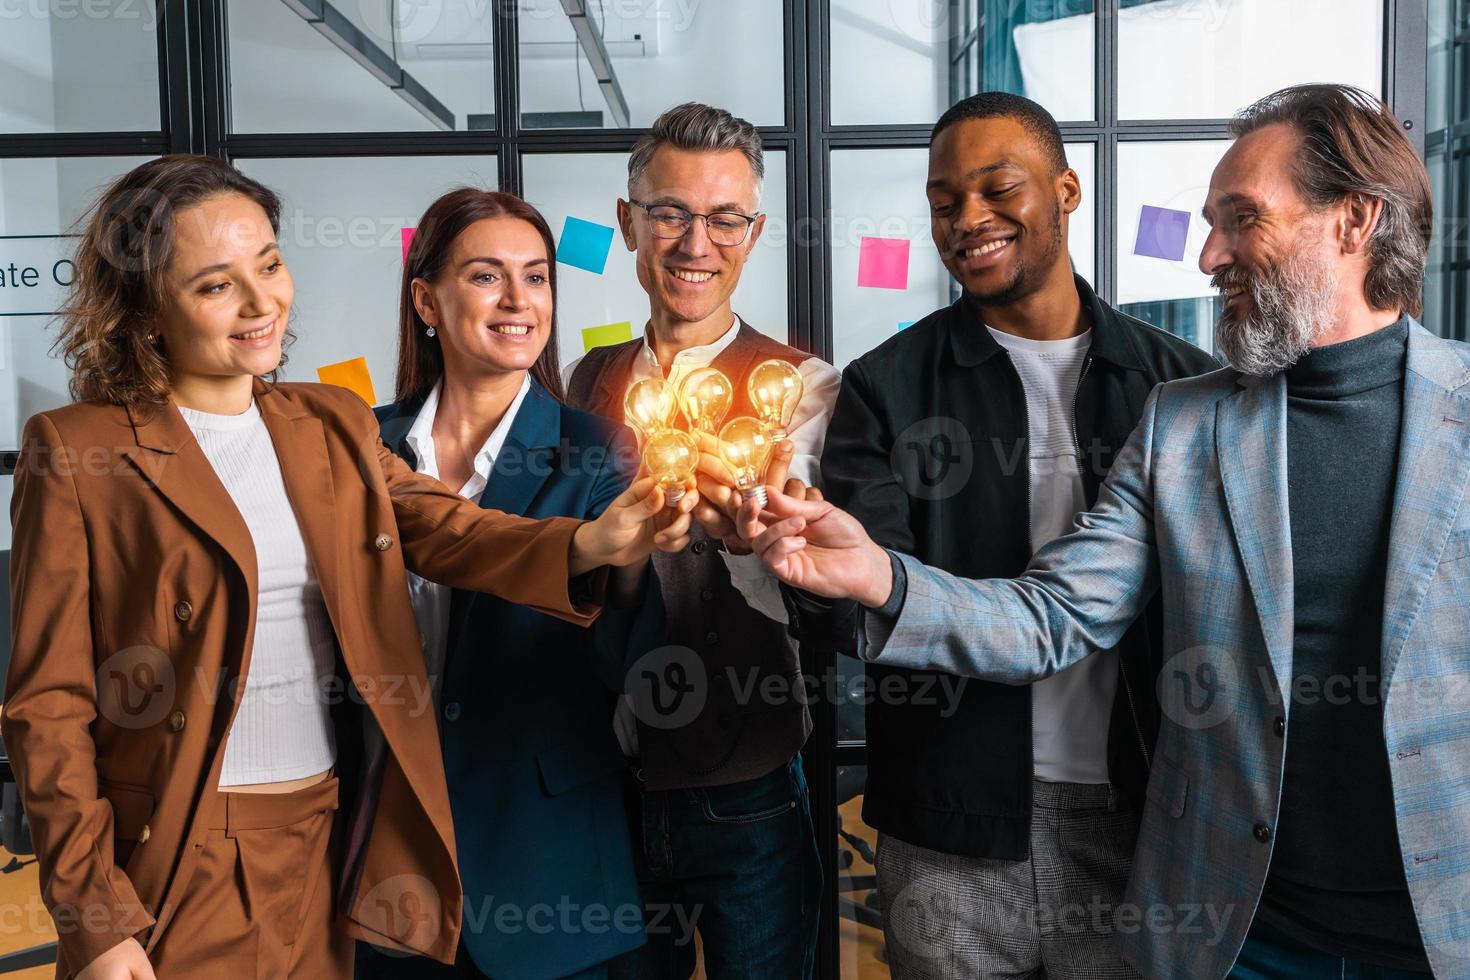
(1162, 233)
(352, 375)
(884, 263)
(906, 324)
(407, 235)
(606, 336)
(584, 244)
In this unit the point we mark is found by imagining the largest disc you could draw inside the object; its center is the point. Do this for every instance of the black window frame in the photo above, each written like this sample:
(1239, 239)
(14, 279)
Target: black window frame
(194, 101)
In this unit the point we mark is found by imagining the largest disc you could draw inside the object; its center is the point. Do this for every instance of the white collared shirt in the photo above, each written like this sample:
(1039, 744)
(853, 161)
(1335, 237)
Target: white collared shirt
(430, 599)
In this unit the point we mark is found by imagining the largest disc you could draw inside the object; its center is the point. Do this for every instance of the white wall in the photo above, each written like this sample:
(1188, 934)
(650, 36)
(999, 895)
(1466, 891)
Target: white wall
(39, 197)
(78, 67)
(890, 61)
(288, 78)
(727, 54)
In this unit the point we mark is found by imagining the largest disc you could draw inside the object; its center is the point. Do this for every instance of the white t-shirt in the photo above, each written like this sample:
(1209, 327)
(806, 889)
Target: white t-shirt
(1071, 711)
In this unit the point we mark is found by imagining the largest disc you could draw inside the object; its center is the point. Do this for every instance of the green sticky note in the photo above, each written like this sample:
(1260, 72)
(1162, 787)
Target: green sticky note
(606, 336)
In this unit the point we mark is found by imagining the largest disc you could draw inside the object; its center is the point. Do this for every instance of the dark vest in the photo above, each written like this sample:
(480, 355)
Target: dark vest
(739, 733)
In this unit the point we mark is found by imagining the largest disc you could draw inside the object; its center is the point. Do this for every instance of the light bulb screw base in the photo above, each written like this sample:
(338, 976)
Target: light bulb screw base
(757, 492)
(672, 495)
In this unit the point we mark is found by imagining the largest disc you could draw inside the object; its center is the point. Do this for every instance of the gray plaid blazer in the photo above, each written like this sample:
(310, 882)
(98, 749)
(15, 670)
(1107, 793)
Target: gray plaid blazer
(1196, 505)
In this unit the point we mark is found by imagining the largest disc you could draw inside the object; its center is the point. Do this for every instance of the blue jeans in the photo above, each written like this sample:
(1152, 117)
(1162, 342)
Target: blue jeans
(738, 864)
(1269, 955)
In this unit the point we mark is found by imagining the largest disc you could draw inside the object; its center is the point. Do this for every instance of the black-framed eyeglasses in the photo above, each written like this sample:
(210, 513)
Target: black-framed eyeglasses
(723, 227)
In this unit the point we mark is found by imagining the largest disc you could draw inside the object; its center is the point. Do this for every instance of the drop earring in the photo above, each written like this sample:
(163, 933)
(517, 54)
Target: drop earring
(430, 331)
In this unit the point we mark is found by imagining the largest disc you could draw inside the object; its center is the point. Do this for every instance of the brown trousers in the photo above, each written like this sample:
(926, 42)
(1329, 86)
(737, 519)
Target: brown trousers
(259, 904)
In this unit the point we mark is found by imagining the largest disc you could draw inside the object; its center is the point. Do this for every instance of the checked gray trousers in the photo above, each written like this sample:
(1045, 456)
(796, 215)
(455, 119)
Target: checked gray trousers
(950, 917)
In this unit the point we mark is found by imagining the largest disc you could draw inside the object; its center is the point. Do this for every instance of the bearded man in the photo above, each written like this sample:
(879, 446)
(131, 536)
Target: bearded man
(1300, 516)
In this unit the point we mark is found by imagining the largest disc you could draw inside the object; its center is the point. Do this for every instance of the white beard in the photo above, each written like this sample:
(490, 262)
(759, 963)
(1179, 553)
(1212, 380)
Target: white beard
(1292, 308)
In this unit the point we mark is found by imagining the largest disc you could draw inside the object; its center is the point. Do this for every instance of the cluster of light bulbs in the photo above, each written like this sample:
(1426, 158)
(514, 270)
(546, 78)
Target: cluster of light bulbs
(671, 454)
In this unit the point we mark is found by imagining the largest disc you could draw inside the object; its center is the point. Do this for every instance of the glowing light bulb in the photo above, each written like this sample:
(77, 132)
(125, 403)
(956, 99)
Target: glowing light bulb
(671, 457)
(649, 406)
(705, 397)
(746, 444)
(775, 389)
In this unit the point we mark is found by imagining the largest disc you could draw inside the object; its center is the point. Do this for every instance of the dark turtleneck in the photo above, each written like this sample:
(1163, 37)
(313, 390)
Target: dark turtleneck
(1336, 881)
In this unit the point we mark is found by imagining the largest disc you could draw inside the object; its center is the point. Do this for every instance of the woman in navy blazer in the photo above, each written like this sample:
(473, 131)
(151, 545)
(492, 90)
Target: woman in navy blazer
(525, 703)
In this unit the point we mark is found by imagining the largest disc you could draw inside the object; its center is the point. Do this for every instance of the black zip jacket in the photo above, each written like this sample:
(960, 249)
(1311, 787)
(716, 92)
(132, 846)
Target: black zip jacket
(928, 449)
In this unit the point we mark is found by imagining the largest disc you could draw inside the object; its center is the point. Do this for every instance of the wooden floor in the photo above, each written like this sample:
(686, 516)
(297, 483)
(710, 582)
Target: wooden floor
(23, 919)
(861, 950)
(24, 923)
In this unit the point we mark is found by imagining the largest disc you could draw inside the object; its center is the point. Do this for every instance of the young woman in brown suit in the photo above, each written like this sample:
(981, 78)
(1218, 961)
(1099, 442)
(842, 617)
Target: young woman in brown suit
(211, 628)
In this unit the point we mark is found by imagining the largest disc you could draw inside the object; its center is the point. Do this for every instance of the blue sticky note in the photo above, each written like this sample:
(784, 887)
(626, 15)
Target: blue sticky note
(584, 244)
(904, 325)
(1162, 233)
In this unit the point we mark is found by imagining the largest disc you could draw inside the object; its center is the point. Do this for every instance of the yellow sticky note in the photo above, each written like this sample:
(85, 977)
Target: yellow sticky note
(352, 375)
(606, 336)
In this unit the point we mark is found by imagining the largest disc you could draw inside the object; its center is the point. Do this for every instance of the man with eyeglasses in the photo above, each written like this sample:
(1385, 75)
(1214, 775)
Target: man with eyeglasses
(714, 720)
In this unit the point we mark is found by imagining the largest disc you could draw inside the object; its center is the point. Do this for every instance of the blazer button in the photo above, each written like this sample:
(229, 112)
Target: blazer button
(707, 594)
(176, 721)
(699, 547)
(451, 711)
(711, 637)
(383, 542)
(183, 611)
(144, 834)
(1279, 727)
(1262, 833)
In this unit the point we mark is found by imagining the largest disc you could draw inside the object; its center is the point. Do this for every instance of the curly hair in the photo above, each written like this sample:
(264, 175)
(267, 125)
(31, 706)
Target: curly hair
(109, 321)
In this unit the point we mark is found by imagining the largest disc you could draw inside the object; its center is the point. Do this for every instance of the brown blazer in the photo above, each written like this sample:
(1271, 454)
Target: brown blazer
(133, 591)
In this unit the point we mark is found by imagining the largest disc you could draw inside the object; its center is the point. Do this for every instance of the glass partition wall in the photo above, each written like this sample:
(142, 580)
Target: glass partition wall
(360, 111)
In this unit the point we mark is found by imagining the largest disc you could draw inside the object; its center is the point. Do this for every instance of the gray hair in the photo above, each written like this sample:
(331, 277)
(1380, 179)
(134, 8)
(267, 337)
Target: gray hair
(1352, 144)
(699, 128)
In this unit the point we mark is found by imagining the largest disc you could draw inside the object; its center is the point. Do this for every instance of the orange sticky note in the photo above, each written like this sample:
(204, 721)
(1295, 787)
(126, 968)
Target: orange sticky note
(352, 375)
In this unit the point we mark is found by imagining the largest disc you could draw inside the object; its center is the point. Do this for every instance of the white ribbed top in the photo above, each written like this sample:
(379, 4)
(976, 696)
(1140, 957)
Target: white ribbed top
(283, 729)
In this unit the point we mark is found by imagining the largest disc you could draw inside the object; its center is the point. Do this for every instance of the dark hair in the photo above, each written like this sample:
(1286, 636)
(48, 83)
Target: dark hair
(107, 321)
(1352, 144)
(420, 358)
(1003, 105)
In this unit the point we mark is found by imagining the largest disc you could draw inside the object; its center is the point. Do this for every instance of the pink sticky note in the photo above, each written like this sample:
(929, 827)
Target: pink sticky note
(884, 263)
(407, 241)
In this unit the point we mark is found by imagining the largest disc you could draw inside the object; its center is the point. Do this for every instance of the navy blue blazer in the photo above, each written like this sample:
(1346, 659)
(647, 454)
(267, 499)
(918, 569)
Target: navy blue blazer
(525, 713)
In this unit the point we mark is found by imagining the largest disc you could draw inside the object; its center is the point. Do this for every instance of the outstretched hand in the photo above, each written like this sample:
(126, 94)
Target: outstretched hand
(634, 524)
(812, 545)
(719, 501)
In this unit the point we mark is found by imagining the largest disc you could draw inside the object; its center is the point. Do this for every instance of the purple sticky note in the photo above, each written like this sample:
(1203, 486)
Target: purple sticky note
(407, 235)
(884, 263)
(1162, 233)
